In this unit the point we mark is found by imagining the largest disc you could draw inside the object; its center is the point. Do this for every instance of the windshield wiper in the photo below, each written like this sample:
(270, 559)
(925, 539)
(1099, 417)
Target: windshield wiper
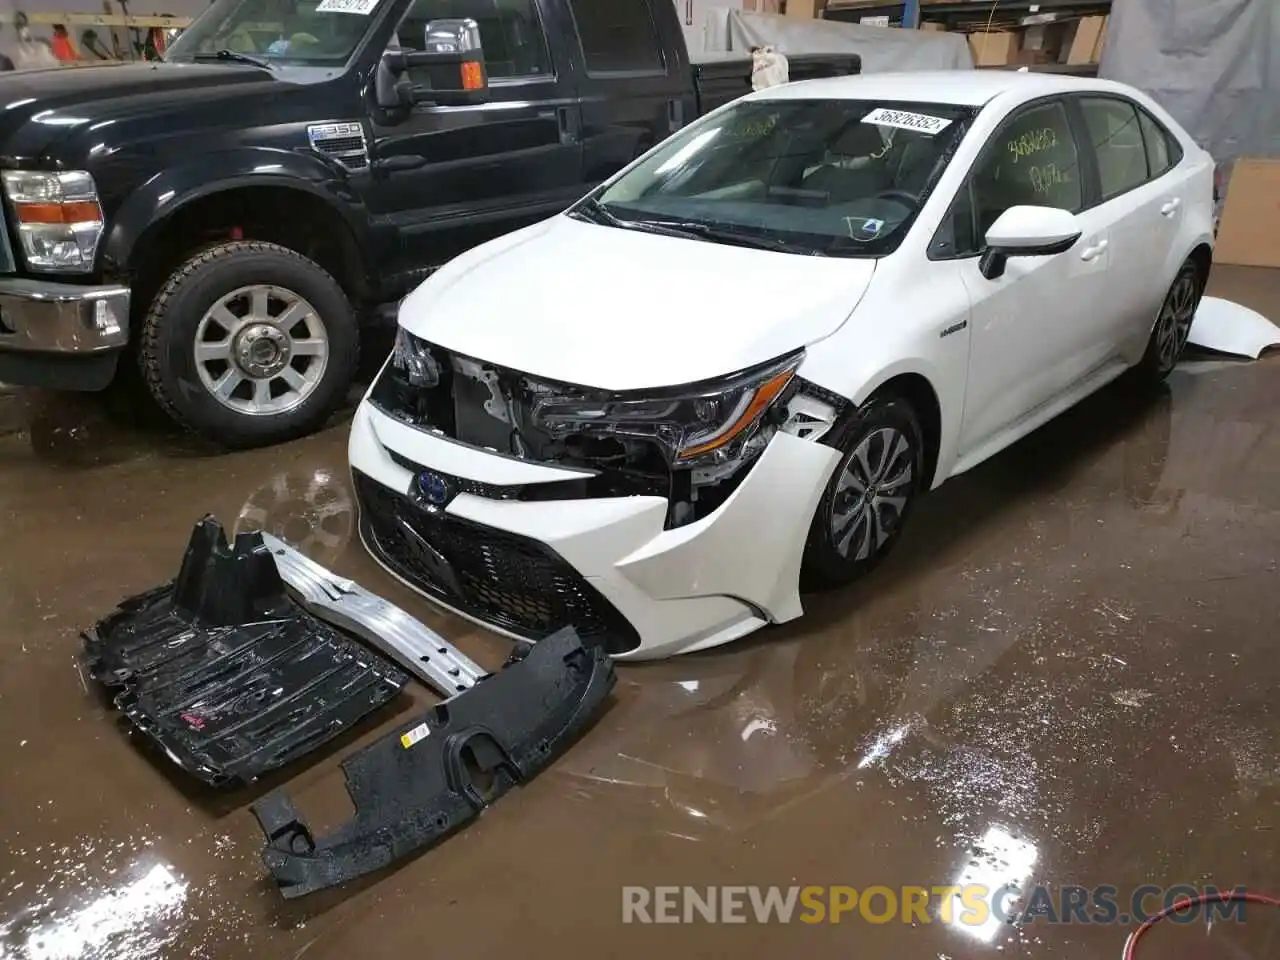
(698, 230)
(235, 56)
(596, 212)
(593, 211)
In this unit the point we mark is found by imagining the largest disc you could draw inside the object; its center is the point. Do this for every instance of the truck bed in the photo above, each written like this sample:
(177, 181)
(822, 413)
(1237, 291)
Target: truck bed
(719, 77)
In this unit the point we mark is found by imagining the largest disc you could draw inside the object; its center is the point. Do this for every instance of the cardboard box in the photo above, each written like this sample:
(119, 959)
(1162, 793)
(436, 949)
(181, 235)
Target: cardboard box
(805, 9)
(1084, 44)
(1247, 235)
(933, 27)
(1045, 42)
(1102, 39)
(995, 49)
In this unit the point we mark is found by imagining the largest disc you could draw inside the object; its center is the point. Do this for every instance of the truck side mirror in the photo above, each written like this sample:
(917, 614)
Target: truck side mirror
(449, 71)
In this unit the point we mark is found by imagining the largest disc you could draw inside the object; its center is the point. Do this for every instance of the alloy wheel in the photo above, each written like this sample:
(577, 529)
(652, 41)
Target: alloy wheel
(261, 350)
(1173, 326)
(872, 492)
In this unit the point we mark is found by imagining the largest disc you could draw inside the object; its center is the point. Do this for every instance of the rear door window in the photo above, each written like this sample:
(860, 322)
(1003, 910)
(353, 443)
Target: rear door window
(618, 36)
(1163, 151)
(1117, 143)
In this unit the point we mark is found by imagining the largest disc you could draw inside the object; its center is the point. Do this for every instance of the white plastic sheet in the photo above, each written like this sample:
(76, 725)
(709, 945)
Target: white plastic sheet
(883, 49)
(1211, 63)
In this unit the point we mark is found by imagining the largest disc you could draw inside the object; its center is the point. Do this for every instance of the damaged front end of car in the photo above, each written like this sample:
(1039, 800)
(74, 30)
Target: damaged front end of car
(691, 445)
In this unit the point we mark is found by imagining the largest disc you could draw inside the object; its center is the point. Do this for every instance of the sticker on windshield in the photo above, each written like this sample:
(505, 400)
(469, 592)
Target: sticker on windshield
(361, 7)
(864, 229)
(903, 120)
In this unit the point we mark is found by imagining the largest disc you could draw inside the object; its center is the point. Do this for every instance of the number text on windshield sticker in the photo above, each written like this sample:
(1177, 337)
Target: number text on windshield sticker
(361, 7)
(904, 120)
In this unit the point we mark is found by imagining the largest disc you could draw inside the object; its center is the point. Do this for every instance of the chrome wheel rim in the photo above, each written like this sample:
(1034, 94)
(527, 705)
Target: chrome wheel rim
(872, 492)
(1173, 326)
(261, 350)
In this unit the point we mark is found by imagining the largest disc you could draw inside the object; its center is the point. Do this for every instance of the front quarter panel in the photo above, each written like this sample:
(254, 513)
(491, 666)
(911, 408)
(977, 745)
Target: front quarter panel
(161, 195)
(913, 320)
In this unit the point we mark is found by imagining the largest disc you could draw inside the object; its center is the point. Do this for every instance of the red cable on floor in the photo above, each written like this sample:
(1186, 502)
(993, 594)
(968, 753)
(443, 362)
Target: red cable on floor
(1131, 945)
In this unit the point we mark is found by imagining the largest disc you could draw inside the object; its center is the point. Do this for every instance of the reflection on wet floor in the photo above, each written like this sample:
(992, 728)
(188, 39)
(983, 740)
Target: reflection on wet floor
(1065, 675)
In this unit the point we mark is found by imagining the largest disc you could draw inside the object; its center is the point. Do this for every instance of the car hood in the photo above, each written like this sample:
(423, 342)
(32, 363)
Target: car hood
(621, 309)
(40, 107)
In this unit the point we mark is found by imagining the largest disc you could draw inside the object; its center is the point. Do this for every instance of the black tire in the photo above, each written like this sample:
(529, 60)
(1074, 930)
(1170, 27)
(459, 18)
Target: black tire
(167, 343)
(1172, 326)
(825, 566)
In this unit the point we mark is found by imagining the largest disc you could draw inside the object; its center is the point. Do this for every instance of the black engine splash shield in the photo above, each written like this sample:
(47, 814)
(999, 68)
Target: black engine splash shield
(225, 672)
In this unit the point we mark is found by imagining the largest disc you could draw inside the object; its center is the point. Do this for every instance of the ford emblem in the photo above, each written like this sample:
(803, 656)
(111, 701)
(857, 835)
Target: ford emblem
(434, 488)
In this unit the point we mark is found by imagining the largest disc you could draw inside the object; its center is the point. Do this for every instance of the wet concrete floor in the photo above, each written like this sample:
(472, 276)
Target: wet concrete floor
(1066, 675)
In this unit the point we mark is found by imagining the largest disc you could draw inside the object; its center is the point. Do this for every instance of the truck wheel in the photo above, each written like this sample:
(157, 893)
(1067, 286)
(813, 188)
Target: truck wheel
(249, 344)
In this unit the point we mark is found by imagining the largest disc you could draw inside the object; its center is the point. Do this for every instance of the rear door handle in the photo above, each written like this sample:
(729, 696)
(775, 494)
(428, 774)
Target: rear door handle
(1095, 251)
(1171, 207)
(564, 120)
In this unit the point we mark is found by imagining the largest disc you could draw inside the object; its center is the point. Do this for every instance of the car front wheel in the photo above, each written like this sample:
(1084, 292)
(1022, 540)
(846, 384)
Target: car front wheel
(869, 496)
(249, 344)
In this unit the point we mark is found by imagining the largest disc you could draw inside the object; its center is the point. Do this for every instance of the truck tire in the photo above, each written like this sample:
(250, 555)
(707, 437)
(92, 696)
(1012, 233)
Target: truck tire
(249, 344)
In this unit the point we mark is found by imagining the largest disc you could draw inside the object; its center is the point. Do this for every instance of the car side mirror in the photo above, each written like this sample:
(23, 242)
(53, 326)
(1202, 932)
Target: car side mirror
(448, 71)
(1028, 231)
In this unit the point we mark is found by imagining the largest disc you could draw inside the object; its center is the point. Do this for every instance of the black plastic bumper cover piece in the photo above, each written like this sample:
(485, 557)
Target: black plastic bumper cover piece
(438, 772)
(226, 672)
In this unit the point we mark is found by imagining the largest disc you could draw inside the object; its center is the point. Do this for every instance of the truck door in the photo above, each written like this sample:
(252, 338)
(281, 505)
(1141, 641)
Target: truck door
(448, 178)
(634, 83)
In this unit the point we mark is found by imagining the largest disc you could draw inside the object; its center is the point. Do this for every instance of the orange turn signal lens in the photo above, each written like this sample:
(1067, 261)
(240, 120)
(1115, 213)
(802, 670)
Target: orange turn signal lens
(472, 76)
(75, 211)
(765, 395)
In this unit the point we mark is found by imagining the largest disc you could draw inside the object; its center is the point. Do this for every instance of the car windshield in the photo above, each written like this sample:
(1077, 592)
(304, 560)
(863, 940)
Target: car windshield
(818, 177)
(316, 33)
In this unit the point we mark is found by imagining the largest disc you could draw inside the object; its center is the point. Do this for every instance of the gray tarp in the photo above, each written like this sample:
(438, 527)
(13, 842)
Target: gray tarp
(1213, 64)
(881, 48)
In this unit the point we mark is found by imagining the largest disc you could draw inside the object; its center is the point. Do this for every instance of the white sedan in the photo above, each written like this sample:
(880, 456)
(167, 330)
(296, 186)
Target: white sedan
(728, 373)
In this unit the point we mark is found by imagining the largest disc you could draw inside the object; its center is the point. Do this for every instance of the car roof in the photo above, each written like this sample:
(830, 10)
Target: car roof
(972, 88)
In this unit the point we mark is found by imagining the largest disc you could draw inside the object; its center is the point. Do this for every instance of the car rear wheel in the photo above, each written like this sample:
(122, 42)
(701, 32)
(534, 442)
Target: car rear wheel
(869, 496)
(249, 344)
(1173, 325)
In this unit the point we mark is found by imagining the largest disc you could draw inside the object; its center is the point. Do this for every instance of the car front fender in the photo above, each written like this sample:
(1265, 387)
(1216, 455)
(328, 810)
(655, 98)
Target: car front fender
(169, 191)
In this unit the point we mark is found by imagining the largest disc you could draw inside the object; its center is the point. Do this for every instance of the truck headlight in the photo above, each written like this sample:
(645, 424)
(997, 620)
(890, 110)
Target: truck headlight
(696, 424)
(59, 218)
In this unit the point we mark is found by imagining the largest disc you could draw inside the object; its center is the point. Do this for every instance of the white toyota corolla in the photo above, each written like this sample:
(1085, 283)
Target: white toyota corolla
(729, 371)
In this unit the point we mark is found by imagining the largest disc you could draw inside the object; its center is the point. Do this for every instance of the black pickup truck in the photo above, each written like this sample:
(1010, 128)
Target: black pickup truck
(223, 221)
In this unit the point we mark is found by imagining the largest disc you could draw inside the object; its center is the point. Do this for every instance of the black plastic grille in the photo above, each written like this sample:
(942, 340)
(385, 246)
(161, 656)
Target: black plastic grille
(503, 579)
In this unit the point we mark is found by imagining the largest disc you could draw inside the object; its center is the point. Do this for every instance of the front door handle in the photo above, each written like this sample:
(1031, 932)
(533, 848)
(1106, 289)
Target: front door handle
(1171, 207)
(1095, 251)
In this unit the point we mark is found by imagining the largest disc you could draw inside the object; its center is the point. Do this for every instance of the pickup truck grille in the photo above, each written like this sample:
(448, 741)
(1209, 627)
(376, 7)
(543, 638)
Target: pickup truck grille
(345, 142)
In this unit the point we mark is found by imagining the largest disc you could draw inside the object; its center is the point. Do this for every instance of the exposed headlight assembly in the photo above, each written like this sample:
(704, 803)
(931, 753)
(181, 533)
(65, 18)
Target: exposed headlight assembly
(59, 218)
(697, 424)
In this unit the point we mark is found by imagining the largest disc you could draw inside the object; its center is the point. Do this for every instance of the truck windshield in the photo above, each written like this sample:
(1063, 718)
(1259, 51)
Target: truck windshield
(317, 33)
(825, 177)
